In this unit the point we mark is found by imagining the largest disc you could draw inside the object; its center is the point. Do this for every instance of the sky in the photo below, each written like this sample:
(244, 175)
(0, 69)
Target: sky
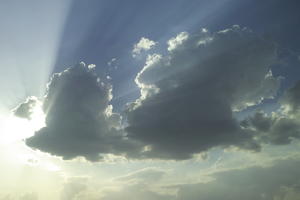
(149, 100)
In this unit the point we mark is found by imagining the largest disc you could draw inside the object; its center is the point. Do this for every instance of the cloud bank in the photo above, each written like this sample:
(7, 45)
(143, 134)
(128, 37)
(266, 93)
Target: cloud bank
(187, 105)
(280, 181)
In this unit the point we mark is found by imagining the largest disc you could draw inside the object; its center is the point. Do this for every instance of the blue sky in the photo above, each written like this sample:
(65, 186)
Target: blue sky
(95, 33)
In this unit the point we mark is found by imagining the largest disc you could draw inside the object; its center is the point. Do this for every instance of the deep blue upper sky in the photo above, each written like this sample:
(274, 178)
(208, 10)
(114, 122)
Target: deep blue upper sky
(97, 31)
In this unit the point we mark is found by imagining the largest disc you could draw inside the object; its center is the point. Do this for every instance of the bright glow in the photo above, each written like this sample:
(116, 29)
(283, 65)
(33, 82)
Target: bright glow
(13, 132)
(14, 129)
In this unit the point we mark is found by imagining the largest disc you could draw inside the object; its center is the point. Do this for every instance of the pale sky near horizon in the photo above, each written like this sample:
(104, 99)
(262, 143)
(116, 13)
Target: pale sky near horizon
(149, 100)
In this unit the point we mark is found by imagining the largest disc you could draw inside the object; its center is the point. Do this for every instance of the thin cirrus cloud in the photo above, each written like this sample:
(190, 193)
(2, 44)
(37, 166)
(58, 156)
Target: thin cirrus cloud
(187, 103)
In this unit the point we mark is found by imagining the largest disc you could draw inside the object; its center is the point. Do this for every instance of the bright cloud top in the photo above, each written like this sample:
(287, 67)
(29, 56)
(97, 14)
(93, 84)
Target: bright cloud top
(144, 44)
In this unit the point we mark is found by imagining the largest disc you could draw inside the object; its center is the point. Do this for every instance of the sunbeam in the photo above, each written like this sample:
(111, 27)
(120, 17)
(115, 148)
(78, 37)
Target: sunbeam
(28, 47)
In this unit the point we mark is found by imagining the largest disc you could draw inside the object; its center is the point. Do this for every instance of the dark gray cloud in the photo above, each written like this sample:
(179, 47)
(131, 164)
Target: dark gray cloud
(79, 119)
(280, 181)
(281, 127)
(188, 96)
(25, 110)
(291, 99)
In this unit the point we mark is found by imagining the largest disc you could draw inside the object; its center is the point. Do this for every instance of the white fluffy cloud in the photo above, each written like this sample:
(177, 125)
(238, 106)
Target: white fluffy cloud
(144, 44)
(174, 42)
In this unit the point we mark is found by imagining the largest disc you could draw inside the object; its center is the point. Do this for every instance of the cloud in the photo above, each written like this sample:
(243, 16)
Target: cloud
(280, 127)
(187, 103)
(79, 119)
(276, 179)
(136, 192)
(147, 175)
(280, 181)
(135, 185)
(189, 95)
(174, 42)
(112, 61)
(14, 196)
(29, 196)
(73, 187)
(132, 192)
(143, 45)
(139, 184)
(25, 110)
(291, 99)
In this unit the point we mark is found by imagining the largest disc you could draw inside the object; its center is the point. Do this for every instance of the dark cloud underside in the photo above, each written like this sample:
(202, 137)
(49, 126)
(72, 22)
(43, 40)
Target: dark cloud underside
(189, 96)
(79, 121)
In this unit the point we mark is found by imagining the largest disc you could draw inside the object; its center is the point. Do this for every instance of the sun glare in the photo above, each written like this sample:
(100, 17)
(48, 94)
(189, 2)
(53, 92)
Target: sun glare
(14, 129)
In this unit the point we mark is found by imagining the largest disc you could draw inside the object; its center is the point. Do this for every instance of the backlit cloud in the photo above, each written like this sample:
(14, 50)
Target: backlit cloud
(280, 127)
(188, 96)
(144, 44)
(79, 119)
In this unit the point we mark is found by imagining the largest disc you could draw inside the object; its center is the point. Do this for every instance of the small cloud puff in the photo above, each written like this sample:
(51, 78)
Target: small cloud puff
(144, 44)
(26, 109)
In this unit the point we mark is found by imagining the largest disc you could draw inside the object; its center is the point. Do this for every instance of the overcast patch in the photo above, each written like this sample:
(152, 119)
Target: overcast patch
(277, 182)
(188, 96)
